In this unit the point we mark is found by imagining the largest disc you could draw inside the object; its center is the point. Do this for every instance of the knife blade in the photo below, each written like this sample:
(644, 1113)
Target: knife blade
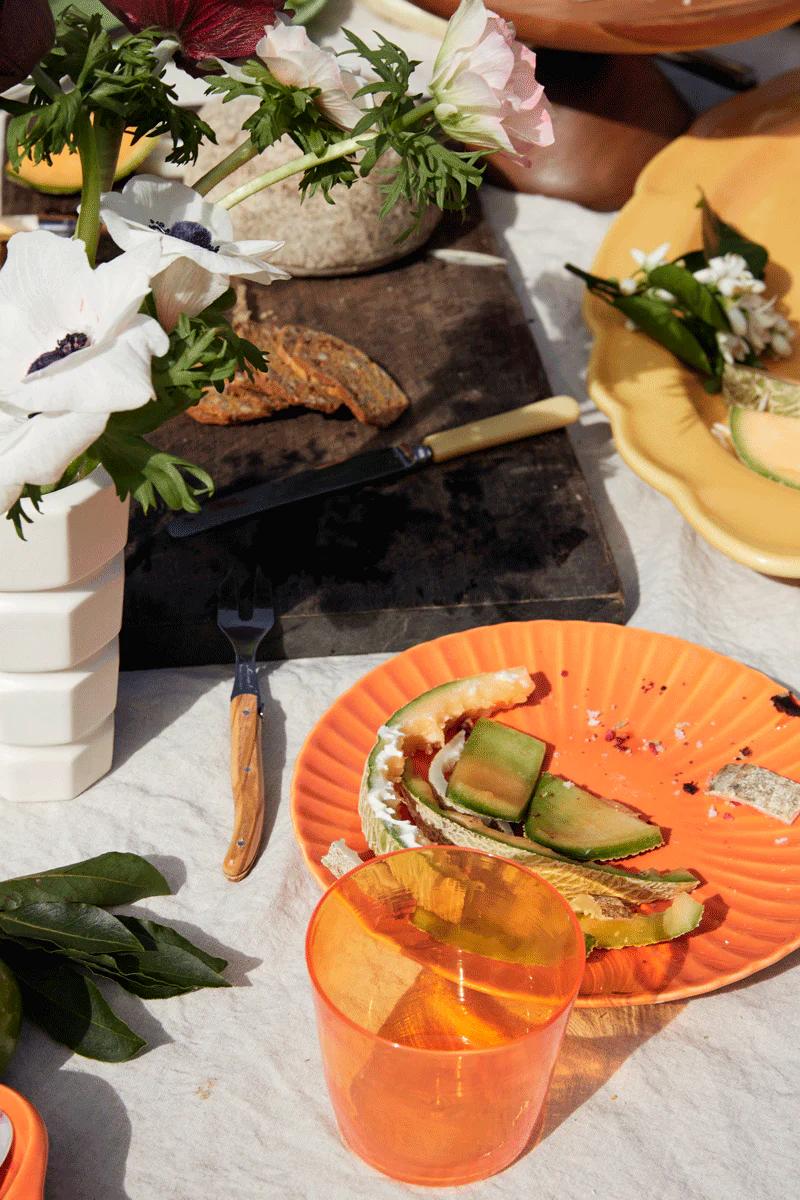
(374, 465)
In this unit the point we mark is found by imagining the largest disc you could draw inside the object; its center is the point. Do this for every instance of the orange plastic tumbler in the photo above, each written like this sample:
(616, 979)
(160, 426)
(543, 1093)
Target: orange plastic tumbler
(443, 981)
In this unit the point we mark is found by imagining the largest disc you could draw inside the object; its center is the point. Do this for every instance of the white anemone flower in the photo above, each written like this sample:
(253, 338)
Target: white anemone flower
(648, 262)
(195, 241)
(75, 348)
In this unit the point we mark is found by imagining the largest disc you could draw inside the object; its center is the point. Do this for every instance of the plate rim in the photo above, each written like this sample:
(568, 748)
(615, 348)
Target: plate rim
(608, 1000)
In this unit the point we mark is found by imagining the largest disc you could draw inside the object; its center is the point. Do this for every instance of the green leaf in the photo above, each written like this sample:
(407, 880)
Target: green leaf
(690, 294)
(149, 475)
(107, 880)
(605, 288)
(10, 1015)
(656, 318)
(720, 238)
(169, 965)
(154, 936)
(79, 927)
(71, 1009)
(695, 260)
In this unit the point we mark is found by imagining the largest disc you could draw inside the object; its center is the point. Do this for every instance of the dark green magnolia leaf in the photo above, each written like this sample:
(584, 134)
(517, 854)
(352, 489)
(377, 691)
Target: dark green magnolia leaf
(656, 318)
(107, 880)
(80, 927)
(10, 1015)
(154, 936)
(691, 295)
(71, 1009)
(595, 283)
(168, 971)
(720, 238)
(695, 260)
(168, 964)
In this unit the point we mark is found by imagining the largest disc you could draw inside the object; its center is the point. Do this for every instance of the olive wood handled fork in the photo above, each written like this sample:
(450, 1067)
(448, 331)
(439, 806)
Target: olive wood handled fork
(245, 615)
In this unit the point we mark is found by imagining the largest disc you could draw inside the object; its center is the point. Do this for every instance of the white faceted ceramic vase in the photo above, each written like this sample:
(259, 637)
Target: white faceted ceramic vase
(60, 613)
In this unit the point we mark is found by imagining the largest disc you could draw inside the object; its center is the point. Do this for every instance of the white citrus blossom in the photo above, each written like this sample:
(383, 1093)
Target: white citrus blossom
(648, 262)
(730, 275)
(194, 240)
(74, 349)
(753, 317)
(295, 61)
(732, 347)
(485, 85)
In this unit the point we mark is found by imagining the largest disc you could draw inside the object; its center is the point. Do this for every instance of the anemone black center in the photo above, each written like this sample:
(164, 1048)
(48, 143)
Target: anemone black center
(68, 345)
(188, 231)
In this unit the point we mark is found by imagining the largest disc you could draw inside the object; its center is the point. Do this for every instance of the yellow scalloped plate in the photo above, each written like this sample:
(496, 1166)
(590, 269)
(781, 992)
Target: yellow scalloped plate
(745, 155)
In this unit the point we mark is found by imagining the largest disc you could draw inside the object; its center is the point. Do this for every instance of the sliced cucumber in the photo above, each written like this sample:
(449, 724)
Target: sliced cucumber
(584, 826)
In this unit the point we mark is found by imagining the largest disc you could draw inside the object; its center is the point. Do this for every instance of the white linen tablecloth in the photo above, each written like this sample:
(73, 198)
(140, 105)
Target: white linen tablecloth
(685, 1101)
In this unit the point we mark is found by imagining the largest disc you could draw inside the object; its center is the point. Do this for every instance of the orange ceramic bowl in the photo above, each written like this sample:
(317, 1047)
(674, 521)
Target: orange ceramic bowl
(635, 26)
(632, 715)
(22, 1174)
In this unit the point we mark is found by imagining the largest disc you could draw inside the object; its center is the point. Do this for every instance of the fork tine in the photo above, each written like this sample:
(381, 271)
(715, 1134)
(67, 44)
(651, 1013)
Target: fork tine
(228, 595)
(262, 594)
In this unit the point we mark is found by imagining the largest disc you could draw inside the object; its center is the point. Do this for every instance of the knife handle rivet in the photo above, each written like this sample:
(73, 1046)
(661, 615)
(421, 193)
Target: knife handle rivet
(245, 712)
(240, 842)
(247, 770)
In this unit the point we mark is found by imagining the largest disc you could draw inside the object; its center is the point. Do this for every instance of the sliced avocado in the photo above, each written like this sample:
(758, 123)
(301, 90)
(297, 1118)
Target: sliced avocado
(422, 791)
(583, 826)
(768, 443)
(644, 929)
(497, 771)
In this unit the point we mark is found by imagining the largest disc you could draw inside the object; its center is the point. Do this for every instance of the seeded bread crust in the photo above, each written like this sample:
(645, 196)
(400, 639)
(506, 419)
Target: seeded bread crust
(371, 395)
(307, 369)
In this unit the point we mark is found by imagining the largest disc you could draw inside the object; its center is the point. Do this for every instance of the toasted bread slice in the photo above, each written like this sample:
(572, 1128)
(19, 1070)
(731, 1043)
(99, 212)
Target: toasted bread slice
(371, 395)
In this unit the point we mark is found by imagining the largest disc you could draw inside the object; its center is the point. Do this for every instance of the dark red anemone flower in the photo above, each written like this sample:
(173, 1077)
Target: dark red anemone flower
(206, 29)
(27, 32)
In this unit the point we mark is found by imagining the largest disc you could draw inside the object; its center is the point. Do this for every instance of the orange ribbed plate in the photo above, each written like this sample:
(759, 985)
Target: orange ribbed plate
(702, 708)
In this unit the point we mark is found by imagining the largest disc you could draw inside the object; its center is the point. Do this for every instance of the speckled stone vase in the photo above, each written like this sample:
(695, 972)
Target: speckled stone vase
(60, 614)
(343, 238)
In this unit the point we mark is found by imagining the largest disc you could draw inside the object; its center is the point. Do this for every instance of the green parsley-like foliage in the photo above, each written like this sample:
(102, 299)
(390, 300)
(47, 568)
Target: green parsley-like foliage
(117, 83)
(204, 352)
(285, 110)
(429, 171)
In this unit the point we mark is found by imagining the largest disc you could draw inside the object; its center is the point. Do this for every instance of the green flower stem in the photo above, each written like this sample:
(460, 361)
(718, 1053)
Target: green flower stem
(88, 226)
(305, 162)
(45, 83)
(108, 135)
(237, 158)
(98, 147)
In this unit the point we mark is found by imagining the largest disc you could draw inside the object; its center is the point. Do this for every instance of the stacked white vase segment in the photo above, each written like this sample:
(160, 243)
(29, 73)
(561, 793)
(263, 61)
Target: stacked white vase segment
(61, 593)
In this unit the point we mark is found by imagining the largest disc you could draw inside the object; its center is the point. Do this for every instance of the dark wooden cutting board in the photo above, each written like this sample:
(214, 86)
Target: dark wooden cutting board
(507, 534)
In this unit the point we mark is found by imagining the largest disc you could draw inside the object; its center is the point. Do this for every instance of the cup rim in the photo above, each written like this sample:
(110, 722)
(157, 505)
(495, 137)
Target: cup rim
(565, 1005)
